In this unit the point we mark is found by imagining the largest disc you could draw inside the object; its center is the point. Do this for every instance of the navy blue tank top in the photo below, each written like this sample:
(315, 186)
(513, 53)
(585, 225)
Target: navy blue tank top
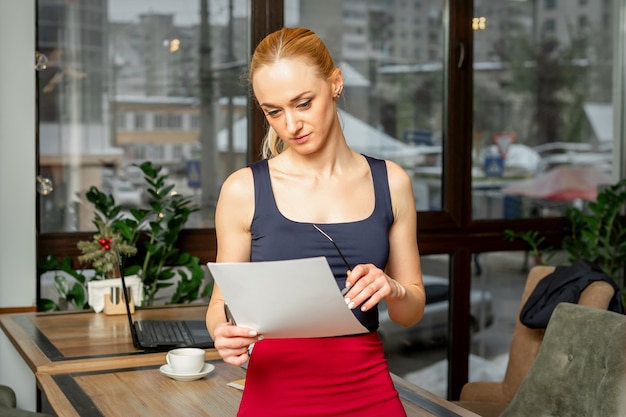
(274, 237)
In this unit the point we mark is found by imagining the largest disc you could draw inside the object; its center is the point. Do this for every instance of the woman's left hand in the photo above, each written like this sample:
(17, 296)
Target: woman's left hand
(368, 285)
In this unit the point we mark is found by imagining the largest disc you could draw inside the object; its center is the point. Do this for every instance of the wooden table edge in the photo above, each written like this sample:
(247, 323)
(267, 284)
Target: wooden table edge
(112, 363)
(55, 396)
(421, 397)
(22, 342)
(32, 354)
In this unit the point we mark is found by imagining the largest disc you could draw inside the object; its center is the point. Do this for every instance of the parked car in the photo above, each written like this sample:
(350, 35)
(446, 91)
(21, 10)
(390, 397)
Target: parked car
(433, 327)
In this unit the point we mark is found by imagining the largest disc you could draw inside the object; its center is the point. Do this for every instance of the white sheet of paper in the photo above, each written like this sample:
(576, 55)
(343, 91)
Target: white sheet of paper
(292, 298)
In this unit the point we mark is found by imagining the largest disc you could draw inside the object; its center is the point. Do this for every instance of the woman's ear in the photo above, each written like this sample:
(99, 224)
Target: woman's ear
(337, 82)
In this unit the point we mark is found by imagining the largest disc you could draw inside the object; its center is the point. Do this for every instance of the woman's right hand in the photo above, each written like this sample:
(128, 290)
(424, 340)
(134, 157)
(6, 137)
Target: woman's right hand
(233, 342)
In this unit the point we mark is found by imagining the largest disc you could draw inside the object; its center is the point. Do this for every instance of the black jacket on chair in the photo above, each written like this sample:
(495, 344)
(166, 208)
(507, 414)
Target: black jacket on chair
(564, 285)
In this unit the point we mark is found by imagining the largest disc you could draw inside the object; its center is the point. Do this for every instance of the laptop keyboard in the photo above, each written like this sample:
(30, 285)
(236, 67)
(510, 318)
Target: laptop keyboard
(167, 331)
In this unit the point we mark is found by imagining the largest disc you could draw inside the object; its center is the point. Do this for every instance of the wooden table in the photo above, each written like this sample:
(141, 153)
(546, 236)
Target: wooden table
(145, 391)
(142, 391)
(69, 341)
(86, 365)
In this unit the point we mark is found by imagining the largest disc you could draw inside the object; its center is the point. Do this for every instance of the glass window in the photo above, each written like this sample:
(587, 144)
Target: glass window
(392, 106)
(195, 121)
(177, 152)
(419, 353)
(549, 25)
(140, 121)
(160, 121)
(121, 121)
(174, 121)
(498, 281)
(123, 77)
(543, 109)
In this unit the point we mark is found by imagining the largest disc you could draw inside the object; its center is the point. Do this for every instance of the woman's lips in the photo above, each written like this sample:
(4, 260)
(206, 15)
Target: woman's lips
(300, 139)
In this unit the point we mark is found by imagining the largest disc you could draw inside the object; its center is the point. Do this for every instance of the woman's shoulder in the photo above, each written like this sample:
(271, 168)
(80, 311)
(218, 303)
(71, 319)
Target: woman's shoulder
(395, 172)
(396, 175)
(400, 184)
(239, 185)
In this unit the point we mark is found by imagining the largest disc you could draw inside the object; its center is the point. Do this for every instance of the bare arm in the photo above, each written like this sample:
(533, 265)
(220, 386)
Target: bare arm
(404, 260)
(233, 216)
(400, 285)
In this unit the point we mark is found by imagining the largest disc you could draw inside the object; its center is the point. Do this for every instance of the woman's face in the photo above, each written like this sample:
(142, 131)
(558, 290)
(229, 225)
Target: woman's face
(297, 103)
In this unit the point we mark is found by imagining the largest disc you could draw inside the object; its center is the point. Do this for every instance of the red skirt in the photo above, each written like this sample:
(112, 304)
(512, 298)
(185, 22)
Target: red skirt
(323, 377)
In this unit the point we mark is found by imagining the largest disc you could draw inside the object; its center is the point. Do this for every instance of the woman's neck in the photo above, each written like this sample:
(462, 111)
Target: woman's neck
(337, 158)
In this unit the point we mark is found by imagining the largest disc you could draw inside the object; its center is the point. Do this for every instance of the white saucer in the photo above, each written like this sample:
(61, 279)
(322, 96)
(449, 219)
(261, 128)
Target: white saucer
(167, 371)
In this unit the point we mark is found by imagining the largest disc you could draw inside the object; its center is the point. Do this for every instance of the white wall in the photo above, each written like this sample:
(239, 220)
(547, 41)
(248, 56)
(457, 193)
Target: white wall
(17, 182)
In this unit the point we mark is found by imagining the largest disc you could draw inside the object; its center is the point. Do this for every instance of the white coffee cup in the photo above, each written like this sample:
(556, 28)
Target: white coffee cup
(185, 361)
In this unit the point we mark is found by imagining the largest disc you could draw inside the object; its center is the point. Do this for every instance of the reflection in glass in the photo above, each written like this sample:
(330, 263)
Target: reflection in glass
(502, 276)
(498, 280)
(391, 55)
(44, 185)
(419, 353)
(41, 61)
(135, 80)
(542, 106)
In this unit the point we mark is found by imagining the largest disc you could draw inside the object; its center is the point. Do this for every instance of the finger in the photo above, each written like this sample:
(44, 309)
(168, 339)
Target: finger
(369, 296)
(234, 343)
(232, 347)
(355, 283)
(370, 303)
(357, 272)
(237, 360)
(359, 298)
(229, 331)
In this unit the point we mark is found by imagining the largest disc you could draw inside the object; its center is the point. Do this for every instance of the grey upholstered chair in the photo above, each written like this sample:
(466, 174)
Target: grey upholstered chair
(8, 405)
(580, 369)
(490, 398)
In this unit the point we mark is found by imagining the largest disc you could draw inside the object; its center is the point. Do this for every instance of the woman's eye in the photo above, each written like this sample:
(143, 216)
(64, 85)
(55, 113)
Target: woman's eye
(271, 113)
(304, 104)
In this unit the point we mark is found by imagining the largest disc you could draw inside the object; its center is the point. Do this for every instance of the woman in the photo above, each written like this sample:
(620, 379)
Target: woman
(310, 176)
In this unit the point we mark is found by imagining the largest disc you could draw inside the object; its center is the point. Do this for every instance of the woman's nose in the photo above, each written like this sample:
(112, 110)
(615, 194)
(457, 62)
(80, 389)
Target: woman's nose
(293, 122)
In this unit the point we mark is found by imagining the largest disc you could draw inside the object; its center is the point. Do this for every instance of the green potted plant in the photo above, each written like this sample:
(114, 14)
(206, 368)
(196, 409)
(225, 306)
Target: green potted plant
(147, 240)
(540, 252)
(599, 235)
(159, 258)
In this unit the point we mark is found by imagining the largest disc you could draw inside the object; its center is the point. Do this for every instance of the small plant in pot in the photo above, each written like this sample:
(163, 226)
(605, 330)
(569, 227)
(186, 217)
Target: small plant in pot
(100, 252)
(153, 232)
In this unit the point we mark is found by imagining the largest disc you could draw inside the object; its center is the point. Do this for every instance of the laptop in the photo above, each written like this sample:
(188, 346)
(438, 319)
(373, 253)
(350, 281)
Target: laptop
(164, 335)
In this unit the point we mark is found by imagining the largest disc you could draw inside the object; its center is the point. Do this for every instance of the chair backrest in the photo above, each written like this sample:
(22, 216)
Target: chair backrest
(526, 342)
(580, 369)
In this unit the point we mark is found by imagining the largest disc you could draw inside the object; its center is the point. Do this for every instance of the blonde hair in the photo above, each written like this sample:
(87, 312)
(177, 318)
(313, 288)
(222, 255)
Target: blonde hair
(299, 43)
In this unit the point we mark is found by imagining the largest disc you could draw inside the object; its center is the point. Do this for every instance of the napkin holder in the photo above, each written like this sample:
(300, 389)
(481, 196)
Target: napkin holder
(99, 290)
(114, 302)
